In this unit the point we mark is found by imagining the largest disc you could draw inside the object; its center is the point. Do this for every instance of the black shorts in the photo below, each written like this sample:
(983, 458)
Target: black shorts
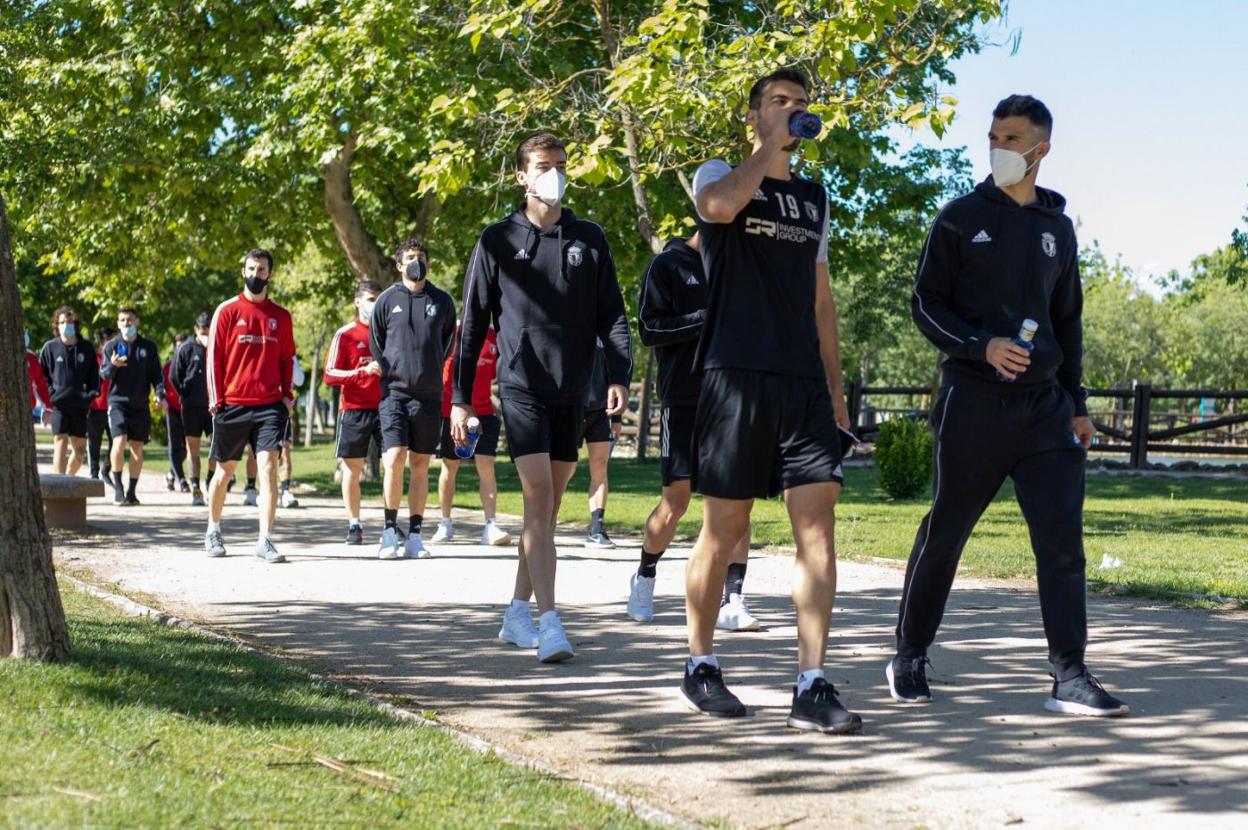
(487, 444)
(234, 427)
(676, 443)
(597, 427)
(71, 422)
(537, 427)
(758, 434)
(409, 423)
(134, 423)
(356, 429)
(196, 421)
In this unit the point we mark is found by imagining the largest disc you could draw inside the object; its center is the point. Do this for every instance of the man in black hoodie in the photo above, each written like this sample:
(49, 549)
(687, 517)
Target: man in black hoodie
(189, 376)
(547, 282)
(69, 366)
(412, 329)
(671, 308)
(1001, 254)
(131, 365)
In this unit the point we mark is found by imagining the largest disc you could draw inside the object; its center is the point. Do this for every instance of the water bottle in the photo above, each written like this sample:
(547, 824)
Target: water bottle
(474, 435)
(805, 125)
(1025, 335)
(121, 348)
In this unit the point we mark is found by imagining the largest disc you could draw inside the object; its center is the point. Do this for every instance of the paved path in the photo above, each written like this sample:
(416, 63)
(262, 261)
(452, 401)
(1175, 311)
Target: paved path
(985, 754)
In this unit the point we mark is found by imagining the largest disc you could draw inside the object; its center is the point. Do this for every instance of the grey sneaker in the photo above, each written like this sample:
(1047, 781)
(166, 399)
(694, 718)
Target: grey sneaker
(266, 551)
(213, 545)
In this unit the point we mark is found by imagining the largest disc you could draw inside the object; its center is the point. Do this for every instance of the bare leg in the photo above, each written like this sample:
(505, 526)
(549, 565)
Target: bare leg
(60, 453)
(661, 525)
(117, 455)
(351, 468)
(543, 483)
(812, 512)
(446, 486)
(418, 489)
(216, 490)
(598, 454)
(394, 461)
(192, 452)
(136, 459)
(724, 523)
(78, 456)
(488, 486)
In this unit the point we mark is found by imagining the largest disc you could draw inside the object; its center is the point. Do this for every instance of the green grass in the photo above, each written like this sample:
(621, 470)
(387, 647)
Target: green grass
(1174, 536)
(150, 726)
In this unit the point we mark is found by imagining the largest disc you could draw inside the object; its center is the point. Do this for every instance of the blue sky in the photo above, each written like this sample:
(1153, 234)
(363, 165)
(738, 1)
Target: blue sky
(1150, 138)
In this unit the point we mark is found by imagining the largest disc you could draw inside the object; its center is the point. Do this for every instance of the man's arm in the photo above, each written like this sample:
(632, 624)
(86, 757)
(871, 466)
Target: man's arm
(377, 333)
(156, 377)
(218, 344)
(107, 369)
(335, 373)
(658, 322)
(480, 299)
(830, 342)
(724, 192)
(933, 288)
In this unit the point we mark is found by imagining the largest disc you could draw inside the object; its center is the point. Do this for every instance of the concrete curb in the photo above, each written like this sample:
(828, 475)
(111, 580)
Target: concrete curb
(635, 806)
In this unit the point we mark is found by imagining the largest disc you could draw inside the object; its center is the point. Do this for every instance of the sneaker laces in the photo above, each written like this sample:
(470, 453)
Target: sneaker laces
(1084, 682)
(822, 691)
(709, 677)
(914, 669)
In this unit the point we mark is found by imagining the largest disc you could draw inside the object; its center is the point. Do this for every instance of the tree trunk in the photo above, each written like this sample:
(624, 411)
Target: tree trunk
(364, 256)
(32, 621)
(645, 225)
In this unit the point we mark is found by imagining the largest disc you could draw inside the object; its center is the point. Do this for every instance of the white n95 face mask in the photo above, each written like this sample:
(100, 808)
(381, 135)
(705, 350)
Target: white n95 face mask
(1008, 166)
(549, 186)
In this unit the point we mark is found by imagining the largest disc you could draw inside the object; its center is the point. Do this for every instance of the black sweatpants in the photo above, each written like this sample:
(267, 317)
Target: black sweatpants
(983, 434)
(97, 428)
(177, 442)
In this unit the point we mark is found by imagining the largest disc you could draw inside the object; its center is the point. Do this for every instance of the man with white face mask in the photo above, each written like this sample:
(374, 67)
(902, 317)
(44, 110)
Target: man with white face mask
(1001, 254)
(547, 282)
(187, 375)
(351, 367)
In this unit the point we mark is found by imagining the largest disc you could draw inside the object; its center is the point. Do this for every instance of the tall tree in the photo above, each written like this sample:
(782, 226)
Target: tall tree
(32, 621)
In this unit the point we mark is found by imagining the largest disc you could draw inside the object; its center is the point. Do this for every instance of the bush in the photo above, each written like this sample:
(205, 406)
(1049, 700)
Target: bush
(160, 430)
(903, 457)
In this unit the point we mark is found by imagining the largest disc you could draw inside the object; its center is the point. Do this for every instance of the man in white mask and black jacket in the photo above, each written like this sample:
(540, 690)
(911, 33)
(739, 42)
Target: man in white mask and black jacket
(546, 280)
(1000, 255)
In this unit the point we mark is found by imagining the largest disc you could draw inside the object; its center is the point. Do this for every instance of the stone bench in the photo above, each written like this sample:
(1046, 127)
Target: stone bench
(65, 500)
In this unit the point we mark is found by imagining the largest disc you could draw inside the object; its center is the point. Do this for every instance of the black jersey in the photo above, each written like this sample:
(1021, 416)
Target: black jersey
(410, 336)
(72, 373)
(671, 308)
(131, 383)
(761, 270)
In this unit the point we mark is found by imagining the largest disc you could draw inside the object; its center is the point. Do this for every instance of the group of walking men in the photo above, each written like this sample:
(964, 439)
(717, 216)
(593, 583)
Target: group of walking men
(744, 325)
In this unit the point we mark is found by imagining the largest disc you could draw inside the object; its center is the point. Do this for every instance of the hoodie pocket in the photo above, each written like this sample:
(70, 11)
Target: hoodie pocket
(546, 360)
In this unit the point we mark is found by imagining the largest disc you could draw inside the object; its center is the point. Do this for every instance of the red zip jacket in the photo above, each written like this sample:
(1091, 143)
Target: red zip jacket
(101, 403)
(482, 404)
(39, 393)
(250, 347)
(348, 355)
(171, 395)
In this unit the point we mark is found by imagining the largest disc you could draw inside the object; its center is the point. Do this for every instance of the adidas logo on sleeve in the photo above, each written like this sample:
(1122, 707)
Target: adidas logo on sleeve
(982, 236)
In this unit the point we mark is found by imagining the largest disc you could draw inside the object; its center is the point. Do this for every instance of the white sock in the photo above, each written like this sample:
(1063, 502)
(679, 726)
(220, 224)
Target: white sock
(697, 660)
(445, 521)
(520, 606)
(355, 521)
(551, 617)
(214, 526)
(807, 678)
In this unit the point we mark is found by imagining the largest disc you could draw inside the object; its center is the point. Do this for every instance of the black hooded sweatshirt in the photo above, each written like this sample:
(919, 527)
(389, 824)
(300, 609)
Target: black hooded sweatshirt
(988, 264)
(72, 373)
(550, 295)
(129, 384)
(410, 335)
(188, 374)
(671, 308)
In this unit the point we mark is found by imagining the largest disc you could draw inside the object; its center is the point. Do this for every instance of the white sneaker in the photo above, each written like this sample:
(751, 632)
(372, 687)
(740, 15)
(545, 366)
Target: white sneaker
(641, 598)
(389, 548)
(518, 628)
(735, 616)
(552, 643)
(415, 547)
(494, 535)
(444, 533)
(288, 499)
(249, 497)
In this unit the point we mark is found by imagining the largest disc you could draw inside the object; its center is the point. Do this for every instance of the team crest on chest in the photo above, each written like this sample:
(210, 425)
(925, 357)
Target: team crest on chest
(1048, 243)
(431, 310)
(575, 255)
(812, 210)
(142, 352)
(80, 357)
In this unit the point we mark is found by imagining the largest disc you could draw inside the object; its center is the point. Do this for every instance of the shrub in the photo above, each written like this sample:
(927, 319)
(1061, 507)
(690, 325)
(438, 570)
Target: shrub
(903, 457)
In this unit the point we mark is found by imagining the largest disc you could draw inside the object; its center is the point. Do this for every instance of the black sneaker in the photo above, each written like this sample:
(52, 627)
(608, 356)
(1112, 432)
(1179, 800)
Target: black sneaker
(119, 495)
(907, 679)
(818, 710)
(355, 535)
(184, 486)
(131, 501)
(704, 691)
(599, 540)
(1083, 694)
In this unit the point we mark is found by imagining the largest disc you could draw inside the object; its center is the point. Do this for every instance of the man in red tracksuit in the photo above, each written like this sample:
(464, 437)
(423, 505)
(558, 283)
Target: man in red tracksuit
(251, 344)
(351, 367)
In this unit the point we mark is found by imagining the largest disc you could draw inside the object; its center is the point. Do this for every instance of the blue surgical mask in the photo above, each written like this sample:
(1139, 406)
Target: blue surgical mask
(129, 331)
(26, 337)
(68, 329)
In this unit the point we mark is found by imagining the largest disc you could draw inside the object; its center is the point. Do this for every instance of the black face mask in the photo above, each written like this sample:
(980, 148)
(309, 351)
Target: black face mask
(415, 270)
(255, 285)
